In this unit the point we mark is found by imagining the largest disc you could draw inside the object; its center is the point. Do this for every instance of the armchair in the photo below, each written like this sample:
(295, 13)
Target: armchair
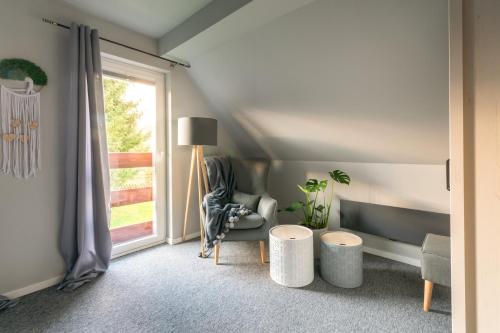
(251, 177)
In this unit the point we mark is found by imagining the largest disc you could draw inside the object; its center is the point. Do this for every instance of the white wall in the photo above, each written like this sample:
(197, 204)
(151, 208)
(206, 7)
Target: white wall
(187, 100)
(31, 210)
(413, 186)
(333, 80)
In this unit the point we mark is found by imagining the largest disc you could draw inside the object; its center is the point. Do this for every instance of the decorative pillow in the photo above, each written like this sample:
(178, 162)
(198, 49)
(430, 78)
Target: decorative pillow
(250, 201)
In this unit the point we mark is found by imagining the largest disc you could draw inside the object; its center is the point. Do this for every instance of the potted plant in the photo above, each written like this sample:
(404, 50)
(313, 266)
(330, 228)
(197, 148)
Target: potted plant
(316, 207)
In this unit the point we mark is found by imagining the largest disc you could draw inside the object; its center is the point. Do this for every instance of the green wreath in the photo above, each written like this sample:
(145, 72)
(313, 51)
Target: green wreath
(19, 69)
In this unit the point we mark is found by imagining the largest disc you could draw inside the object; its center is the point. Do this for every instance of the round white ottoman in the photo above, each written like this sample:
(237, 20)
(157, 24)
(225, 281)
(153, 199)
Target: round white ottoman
(341, 259)
(291, 255)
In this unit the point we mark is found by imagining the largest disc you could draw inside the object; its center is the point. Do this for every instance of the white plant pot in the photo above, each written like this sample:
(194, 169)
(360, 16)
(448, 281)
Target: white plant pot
(291, 255)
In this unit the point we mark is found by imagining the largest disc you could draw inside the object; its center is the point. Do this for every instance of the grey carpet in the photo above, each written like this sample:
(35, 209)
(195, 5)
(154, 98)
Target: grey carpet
(169, 289)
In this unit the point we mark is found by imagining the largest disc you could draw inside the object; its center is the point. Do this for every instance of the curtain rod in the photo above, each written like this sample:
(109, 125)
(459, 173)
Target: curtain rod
(123, 45)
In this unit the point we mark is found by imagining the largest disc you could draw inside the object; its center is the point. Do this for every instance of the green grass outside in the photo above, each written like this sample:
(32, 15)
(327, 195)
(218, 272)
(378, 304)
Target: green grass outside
(131, 214)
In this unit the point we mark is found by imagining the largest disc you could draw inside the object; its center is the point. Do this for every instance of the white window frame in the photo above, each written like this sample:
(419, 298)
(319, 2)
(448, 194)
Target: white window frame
(126, 68)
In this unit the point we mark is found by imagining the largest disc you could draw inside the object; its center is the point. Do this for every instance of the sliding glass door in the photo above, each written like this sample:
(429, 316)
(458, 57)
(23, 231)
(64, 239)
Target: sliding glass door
(134, 101)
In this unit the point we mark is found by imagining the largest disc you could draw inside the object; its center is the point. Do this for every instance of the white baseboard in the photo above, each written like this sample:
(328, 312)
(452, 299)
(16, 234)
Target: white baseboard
(392, 256)
(56, 279)
(385, 248)
(34, 287)
(173, 241)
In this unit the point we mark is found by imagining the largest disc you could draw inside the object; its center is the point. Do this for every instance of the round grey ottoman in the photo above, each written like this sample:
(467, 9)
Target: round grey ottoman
(341, 259)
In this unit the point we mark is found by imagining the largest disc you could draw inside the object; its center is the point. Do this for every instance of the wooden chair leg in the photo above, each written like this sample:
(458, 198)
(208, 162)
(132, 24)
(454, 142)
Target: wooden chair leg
(216, 253)
(262, 245)
(190, 183)
(427, 295)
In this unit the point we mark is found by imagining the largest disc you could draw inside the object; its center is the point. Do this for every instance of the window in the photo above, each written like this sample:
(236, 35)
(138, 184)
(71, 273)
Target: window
(134, 103)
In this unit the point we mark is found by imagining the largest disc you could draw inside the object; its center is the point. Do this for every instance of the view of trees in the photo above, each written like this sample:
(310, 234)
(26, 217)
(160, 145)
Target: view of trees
(124, 134)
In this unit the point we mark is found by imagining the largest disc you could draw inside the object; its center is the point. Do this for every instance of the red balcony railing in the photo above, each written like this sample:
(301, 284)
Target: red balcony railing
(131, 196)
(130, 160)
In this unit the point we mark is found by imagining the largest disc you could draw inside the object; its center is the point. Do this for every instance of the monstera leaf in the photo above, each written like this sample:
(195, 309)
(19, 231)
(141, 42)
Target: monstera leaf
(317, 206)
(313, 185)
(322, 185)
(340, 177)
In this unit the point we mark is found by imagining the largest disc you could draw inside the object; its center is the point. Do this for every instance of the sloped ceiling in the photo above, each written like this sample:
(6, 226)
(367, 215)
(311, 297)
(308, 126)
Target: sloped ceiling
(333, 80)
(152, 18)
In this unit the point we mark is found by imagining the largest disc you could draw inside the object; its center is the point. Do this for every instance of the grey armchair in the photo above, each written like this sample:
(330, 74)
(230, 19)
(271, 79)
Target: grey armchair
(436, 265)
(251, 177)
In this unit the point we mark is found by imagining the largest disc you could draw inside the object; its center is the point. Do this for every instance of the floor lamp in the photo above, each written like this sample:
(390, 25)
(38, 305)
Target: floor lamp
(197, 132)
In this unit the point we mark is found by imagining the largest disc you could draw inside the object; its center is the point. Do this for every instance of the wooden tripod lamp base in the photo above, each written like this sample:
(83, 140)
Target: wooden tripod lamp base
(197, 132)
(201, 172)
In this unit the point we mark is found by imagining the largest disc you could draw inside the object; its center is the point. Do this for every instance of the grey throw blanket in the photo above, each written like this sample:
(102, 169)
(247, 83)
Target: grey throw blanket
(220, 213)
(6, 303)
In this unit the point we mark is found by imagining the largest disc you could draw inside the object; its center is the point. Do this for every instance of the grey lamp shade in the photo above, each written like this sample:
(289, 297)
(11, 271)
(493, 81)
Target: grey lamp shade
(196, 131)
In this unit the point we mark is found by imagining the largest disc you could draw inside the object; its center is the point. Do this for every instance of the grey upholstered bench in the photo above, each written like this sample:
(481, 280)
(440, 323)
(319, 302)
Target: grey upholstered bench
(436, 267)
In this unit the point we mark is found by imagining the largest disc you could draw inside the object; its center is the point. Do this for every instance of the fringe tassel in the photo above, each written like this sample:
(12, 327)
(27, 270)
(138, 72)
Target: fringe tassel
(19, 133)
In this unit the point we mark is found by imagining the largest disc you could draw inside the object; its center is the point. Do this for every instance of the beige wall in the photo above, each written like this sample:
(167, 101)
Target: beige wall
(30, 210)
(482, 156)
(460, 249)
(475, 156)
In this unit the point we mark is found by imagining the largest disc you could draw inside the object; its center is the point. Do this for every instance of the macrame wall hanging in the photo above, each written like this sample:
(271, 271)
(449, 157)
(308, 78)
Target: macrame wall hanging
(20, 85)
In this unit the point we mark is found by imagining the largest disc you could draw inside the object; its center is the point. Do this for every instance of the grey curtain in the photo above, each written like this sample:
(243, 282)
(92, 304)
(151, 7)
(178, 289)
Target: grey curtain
(85, 242)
